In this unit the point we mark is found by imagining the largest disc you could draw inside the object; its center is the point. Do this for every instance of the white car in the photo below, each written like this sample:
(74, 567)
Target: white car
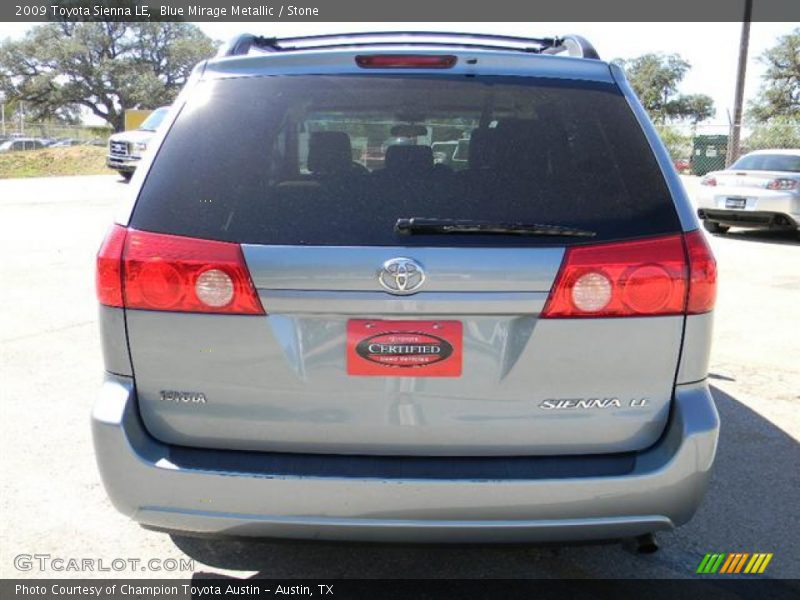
(125, 149)
(761, 189)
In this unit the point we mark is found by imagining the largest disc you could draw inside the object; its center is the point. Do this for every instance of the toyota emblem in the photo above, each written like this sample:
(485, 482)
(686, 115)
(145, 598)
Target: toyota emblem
(401, 276)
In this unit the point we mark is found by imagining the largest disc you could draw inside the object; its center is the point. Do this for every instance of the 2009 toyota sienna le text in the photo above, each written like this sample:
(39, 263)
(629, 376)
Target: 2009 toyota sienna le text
(311, 328)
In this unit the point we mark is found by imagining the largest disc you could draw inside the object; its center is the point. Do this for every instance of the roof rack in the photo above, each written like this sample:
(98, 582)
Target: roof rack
(573, 45)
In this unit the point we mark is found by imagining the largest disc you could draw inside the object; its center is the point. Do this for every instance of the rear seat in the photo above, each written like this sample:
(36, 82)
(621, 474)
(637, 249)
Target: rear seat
(482, 149)
(330, 162)
(407, 161)
(508, 161)
(410, 164)
(477, 182)
(330, 154)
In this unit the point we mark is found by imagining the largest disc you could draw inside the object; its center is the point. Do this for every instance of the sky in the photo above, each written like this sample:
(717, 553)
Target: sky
(711, 48)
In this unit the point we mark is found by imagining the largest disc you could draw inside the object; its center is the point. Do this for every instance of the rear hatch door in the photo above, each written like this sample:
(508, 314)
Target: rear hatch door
(344, 360)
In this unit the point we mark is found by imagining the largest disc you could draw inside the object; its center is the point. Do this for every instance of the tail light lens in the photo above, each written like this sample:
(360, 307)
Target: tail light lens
(154, 271)
(702, 274)
(640, 278)
(406, 61)
(708, 180)
(108, 279)
(782, 184)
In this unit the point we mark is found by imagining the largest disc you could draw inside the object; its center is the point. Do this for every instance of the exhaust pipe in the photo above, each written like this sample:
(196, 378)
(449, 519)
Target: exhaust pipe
(646, 544)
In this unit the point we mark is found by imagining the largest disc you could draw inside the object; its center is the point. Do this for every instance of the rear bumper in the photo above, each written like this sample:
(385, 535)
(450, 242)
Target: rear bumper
(154, 484)
(750, 218)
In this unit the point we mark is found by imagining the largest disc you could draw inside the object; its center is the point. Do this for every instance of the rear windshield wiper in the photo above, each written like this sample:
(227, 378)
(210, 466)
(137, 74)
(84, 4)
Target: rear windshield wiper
(436, 226)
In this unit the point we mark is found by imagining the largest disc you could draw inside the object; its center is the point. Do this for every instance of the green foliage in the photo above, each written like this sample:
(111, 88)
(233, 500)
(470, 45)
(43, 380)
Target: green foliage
(691, 107)
(678, 145)
(655, 79)
(780, 88)
(54, 162)
(104, 67)
(780, 132)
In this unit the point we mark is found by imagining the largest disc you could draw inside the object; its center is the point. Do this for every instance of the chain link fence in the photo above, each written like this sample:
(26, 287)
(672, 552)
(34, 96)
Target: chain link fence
(52, 133)
(694, 149)
(703, 148)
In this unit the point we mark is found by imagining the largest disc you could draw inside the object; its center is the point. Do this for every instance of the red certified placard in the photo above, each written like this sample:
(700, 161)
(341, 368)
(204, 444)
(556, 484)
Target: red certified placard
(404, 348)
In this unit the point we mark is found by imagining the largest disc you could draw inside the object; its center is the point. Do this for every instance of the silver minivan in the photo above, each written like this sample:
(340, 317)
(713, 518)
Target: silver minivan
(299, 345)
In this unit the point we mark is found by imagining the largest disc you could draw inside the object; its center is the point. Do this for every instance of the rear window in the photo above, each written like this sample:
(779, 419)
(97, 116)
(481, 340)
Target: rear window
(337, 160)
(768, 162)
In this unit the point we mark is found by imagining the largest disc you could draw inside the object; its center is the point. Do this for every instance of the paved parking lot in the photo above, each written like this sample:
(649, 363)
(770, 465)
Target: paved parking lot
(52, 502)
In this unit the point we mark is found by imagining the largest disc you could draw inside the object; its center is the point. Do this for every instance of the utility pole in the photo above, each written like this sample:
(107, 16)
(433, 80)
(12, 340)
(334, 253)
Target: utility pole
(736, 127)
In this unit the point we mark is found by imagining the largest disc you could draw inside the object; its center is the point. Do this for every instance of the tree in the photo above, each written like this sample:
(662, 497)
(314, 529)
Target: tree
(691, 107)
(104, 67)
(780, 86)
(679, 145)
(655, 79)
(779, 132)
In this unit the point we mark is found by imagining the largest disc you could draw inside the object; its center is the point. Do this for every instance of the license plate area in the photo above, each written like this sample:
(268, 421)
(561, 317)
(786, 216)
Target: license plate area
(404, 348)
(739, 203)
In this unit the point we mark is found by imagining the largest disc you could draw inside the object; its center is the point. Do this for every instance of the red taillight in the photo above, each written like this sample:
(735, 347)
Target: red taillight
(782, 184)
(639, 278)
(155, 271)
(108, 277)
(406, 61)
(702, 274)
(708, 180)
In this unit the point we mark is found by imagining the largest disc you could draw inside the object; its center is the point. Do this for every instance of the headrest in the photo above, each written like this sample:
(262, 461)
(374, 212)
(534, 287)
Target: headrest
(329, 151)
(409, 158)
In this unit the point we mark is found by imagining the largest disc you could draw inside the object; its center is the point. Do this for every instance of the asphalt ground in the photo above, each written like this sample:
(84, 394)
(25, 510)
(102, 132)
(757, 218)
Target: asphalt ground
(53, 504)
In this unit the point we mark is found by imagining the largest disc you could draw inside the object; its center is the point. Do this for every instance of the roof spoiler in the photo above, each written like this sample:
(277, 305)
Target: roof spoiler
(573, 45)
